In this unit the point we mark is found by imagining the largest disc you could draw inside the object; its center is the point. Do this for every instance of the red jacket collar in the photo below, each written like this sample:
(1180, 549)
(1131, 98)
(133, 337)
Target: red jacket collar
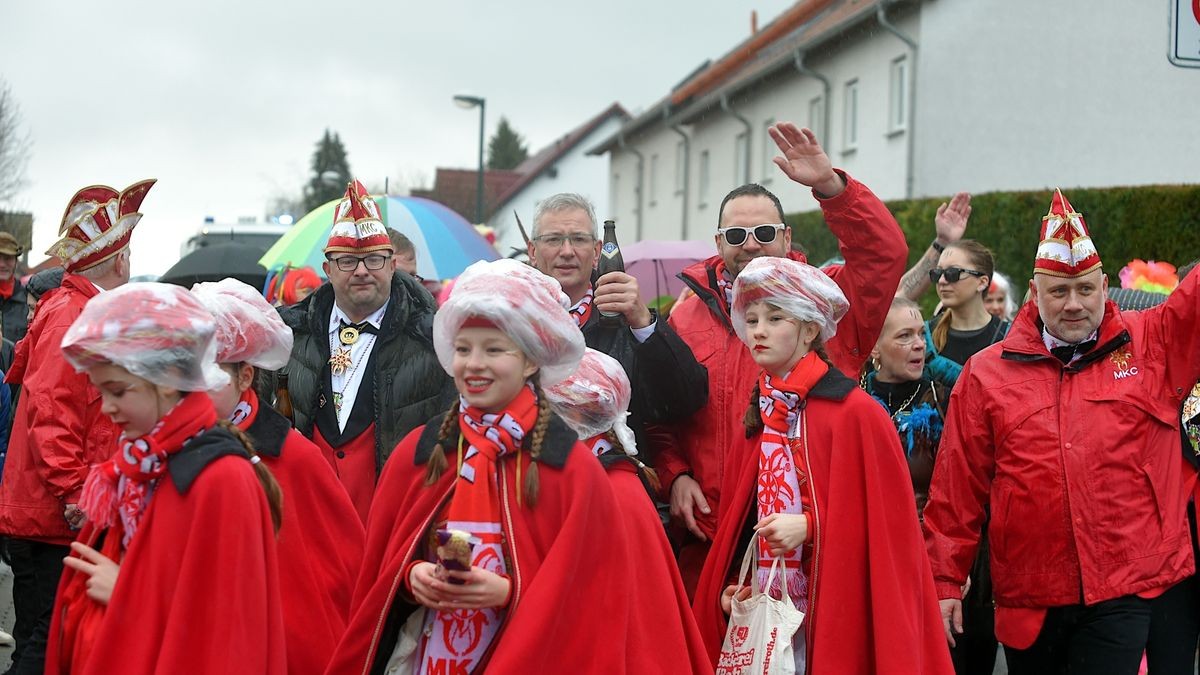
(80, 284)
(701, 277)
(1024, 339)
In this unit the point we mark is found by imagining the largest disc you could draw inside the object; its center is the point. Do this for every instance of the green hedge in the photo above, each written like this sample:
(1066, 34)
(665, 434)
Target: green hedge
(1158, 222)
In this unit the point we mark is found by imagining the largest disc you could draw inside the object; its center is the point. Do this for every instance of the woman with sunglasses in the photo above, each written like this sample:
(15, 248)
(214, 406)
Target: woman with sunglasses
(962, 278)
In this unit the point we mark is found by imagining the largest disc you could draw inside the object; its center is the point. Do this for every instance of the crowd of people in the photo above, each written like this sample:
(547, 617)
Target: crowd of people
(794, 471)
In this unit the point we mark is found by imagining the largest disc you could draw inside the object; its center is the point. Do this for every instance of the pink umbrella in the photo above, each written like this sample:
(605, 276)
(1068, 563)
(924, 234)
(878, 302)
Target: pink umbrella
(655, 264)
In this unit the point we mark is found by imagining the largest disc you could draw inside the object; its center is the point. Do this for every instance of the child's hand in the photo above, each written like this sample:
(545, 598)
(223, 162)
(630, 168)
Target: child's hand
(783, 532)
(480, 589)
(728, 594)
(101, 570)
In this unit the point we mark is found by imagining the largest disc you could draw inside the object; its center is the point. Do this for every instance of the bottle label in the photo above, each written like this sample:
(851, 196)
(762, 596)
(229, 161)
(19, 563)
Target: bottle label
(609, 249)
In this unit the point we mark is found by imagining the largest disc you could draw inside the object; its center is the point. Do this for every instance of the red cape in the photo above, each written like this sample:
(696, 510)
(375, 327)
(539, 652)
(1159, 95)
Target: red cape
(661, 619)
(872, 608)
(571, 568)
(320, 542)
(198, 589)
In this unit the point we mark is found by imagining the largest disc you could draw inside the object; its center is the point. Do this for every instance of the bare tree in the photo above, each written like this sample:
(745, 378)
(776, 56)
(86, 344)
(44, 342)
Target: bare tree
(14, 145)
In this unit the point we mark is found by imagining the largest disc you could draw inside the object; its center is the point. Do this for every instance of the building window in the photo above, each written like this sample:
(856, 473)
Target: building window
(850, 128)
(816, 118)
(653, 179)
(898, 106)
(741, 152)
(703, 197)
(680, 167)
(769, 151)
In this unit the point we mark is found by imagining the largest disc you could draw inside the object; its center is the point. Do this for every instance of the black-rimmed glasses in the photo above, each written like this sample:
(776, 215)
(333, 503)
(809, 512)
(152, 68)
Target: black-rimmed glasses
(349, 263)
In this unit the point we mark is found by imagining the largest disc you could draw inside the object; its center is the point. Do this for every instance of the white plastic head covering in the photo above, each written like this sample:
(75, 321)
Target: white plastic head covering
(526, 305)
(801, 290)
(158, 332)
(249, 330)
(595, 398)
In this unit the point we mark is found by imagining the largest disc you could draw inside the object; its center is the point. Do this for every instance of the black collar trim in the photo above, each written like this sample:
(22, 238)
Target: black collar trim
(185, 466)
(269, 430)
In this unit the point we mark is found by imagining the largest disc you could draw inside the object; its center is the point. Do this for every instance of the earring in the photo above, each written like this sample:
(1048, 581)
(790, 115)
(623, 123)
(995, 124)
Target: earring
(875, 363)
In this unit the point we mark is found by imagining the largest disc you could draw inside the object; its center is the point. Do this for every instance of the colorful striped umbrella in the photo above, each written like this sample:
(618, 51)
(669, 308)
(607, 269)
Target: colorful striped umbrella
(445, 243)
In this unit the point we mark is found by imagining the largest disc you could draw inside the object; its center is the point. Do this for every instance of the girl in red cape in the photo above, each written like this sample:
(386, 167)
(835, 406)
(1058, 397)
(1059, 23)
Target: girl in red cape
(321, 540)
(826, 488)
(490, 544)
(594, 402)
(184, 509)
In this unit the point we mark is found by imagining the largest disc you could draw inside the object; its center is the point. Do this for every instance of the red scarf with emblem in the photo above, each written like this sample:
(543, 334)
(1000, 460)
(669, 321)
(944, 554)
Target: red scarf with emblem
(780, 404)
(123, 486)
(582, 310)
(458, 639)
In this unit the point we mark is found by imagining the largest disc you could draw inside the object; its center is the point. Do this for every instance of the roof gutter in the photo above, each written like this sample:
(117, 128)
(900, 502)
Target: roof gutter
(711, 76)
(687, 163)
(745, 122)
(910, 173)
(641, 165)
(798, 60)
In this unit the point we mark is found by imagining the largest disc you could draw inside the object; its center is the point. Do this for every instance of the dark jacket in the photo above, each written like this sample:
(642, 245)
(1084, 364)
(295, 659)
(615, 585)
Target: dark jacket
(668, 384)
(14, 314)
(410, 385)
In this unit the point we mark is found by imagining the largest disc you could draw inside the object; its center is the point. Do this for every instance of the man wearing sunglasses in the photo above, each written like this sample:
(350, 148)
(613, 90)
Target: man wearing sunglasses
(1068, 432)
(751, 225)
(363, 372)
(666, 381)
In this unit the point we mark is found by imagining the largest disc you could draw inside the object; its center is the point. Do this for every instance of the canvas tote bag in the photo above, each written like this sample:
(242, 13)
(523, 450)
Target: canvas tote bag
(761, 628)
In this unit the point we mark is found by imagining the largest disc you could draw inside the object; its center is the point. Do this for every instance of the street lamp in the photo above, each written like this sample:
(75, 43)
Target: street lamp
(468, 102)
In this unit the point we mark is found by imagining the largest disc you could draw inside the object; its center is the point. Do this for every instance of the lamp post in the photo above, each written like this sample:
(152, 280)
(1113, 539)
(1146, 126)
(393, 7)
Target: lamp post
(468, 102)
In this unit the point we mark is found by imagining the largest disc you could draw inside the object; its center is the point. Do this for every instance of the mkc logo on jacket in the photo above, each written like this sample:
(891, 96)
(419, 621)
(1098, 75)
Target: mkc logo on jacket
(1120, 360)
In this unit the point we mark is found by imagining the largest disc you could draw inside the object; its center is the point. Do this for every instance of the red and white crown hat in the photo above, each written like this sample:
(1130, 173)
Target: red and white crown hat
(357, 225)
(97, 224)
(1066, 248)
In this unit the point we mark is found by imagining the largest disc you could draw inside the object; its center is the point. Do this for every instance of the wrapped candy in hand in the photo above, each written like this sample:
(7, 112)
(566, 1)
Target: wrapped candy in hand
(454, 551)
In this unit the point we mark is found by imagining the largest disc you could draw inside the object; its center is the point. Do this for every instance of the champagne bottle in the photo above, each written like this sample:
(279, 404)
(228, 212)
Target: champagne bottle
(283, 399)
(610, 261)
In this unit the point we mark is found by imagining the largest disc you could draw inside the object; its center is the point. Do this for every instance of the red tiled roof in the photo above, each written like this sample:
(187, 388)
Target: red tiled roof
(455, 188)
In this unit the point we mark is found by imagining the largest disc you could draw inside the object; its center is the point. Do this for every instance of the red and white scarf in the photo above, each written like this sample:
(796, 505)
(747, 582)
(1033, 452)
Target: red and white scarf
(780, 404)
(599, 445)
(582, 310)
(123, 486)
(458, 639)
(246, 410)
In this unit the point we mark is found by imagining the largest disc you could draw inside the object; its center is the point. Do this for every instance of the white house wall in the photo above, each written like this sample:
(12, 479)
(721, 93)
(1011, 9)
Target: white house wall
(576, 171)
(1028, 94)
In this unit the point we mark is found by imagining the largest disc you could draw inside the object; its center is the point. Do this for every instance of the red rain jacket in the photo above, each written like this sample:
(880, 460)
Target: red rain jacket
(875, 252)
(1080, 464)
(58, 430)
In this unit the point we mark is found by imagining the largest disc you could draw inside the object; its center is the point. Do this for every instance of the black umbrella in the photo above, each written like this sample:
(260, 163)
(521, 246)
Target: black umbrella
(220, 261)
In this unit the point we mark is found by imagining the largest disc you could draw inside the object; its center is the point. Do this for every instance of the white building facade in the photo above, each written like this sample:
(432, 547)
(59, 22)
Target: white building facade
(922, 98)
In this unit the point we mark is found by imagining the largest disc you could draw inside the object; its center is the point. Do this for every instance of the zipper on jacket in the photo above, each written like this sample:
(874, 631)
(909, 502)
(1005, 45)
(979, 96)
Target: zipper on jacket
(387, 606)
(816, 543)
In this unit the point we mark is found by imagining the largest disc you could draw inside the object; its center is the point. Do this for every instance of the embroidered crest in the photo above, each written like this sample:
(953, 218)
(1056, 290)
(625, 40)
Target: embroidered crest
(1121, 358)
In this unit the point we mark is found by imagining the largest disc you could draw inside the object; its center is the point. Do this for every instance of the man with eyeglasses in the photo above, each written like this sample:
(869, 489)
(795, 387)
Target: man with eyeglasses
(751, 225)
(363, 372)
(666, 381)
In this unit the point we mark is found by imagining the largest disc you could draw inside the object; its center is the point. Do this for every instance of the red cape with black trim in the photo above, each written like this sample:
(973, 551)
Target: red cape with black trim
(198, 590)
(570, 605)
(875, 610)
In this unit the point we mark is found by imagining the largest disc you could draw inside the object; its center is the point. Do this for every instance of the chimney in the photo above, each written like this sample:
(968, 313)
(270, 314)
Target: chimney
(753, 21)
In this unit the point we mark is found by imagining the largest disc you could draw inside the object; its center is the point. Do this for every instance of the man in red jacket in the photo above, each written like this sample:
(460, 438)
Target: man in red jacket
(1069, 430)
(750, 225)
(58, 430)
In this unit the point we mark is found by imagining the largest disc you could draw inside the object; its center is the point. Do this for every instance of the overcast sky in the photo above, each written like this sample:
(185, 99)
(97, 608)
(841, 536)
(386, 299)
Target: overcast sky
(223, 102)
